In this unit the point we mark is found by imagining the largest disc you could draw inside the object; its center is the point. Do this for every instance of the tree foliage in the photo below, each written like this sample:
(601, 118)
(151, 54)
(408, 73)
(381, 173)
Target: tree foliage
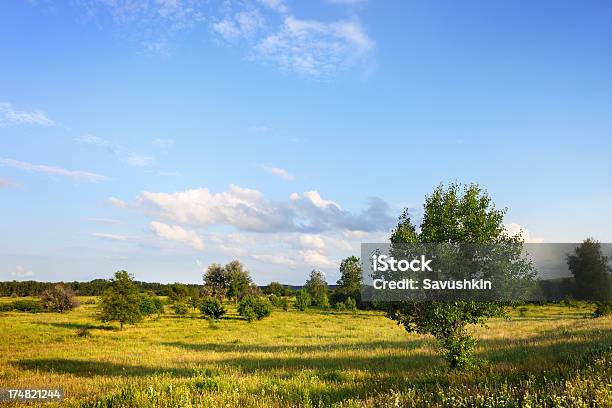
(237, 280)
(349, 284)
(591, 271)
(215, 284)
(456, 214)
(211, 307)
(254, 308)
(316, 286)
(59, 299)
(121, 301)
(302, 300)
(150, 304)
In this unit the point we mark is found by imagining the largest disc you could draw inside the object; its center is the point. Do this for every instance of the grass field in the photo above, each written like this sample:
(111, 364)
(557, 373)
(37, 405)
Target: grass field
(549, 356)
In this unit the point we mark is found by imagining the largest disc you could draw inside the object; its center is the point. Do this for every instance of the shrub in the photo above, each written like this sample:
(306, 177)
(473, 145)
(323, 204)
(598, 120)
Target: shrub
(150, 304)
(254, 308)
(121, 301)
(91, 301)
(340, 306)
(180, 308)
(58, 299)
(211, 307)
(83, 332)
(351, 304)
(30, 306)
(302, 300)
(603, 309)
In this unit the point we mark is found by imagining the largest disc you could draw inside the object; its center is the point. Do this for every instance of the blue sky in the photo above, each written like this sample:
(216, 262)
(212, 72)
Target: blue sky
(162, 136)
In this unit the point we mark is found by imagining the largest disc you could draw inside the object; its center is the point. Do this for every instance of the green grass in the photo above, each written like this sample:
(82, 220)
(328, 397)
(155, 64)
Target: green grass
(550, 356)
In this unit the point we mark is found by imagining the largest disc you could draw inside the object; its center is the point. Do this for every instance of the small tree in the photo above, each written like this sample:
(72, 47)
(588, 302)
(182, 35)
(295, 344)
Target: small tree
(254, 308)
(349, 284)
(237, 280)
(215, 284)
(274, 288)
(211, 307)
(591, 272)
(150, 304)
(302, 300)
(316, 286)
(350, 304)
(121, 301)
(180, 307)
(178, 291)
(58, 299)
(454, 215)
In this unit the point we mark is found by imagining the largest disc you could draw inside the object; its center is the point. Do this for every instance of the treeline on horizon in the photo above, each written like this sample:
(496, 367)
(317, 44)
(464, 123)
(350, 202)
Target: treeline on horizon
(96, 287)
(553, 290)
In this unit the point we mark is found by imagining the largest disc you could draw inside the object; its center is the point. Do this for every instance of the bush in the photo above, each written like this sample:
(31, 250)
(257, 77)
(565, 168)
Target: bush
(302, 300)
(603, 309)
(30, 306)
(351, 304)
(279, 302)
(254, 308)
(58, 299)
(150, 304)
(211, 307)
(180, 308)
(83, 332)
(91, 301)
(340, 306)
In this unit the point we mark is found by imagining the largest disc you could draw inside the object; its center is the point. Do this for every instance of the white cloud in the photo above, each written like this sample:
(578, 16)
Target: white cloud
(275, 259)
(317, 259)
(279, 172)
(513, 229)
(110, 237)
(10, 116)
(276, 5)
(354, 235)
(247, 210)
(116, 202)
(20, 272)
(55, 171)
(311, 241)
(243, 24)
(234, 251)
(124, 154)
(314, 48)
(5, 183)
(177, 233)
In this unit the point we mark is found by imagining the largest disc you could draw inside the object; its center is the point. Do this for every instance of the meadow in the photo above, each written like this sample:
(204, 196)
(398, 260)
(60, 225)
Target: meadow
(541, 356)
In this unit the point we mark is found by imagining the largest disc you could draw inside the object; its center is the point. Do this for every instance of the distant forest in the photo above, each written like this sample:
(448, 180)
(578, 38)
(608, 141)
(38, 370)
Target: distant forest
(552, 290)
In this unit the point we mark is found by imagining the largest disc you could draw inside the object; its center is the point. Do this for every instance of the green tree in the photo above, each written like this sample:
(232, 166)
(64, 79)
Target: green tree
(274, 288)
(237, 280)
(457, 214)
(215, 284)
(178, 291)
(316, 286)
(121, 301)
(150, 304)
(211, 307)
(302, 300)
(591, 271)
(349, 284)
(254, 308)
(58, 298)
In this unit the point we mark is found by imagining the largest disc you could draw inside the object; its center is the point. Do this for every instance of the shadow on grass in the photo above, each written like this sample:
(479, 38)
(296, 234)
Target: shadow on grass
(298, 348)
(82, 368)
(76, 326)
